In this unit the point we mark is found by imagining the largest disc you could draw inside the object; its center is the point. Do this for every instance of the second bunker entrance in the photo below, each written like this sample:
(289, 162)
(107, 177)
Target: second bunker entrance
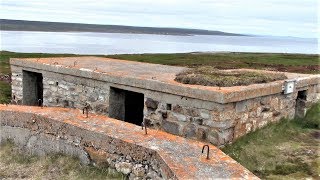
(32, 88)
(126, 105)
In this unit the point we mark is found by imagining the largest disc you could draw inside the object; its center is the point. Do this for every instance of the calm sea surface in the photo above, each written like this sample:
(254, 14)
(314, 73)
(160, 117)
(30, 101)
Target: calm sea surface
(114, 43)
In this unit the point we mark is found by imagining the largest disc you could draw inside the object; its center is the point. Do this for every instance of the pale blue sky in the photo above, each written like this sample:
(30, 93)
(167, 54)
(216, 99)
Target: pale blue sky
(265, 17)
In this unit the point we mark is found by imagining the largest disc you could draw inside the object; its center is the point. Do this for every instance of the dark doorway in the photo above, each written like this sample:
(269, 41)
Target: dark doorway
(126, 105)
(301, 108)
(32, 88)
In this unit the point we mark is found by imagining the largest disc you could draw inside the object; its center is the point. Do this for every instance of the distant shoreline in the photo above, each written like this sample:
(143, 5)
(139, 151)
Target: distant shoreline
(21, 25)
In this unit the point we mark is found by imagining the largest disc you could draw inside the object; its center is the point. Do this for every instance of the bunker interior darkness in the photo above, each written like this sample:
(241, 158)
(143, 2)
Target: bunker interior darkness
(32, 88)
(135, 92)
(126, 105)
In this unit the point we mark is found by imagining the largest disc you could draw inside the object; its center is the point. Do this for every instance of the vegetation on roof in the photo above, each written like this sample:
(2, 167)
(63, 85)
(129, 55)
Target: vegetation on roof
(210, 76)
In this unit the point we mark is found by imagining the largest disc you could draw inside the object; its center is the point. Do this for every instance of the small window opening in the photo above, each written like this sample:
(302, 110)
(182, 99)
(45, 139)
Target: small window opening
(302, 95)
(169, 107)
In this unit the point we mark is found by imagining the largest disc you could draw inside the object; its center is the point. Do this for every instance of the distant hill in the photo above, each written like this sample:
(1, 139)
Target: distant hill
(21, 25)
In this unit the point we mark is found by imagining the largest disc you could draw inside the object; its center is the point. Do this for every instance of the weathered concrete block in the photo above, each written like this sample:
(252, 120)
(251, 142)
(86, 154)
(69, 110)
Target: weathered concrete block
(197, 120)
(225, 136)
(189, 131)
(201, 132)
(205, 114)
(213, 137)
(178, 109)
(178, 117)
(219, 124)
(171, 127)
(241, 106)
(152, 104)
(193, 112)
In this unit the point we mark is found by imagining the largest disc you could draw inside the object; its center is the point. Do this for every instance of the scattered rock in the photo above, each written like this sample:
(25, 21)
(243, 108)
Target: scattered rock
(124, 167)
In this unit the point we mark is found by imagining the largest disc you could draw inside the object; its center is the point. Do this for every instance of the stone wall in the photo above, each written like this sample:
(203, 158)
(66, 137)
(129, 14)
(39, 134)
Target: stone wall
(223, 123)
(73, 95)
(66, 91)
(188, 117)
(40, 135)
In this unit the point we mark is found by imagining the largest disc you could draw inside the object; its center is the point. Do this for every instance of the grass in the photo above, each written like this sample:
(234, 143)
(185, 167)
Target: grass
(5, 92)
(274, 61)
(209, 76)
(284, 150)
(15, 165)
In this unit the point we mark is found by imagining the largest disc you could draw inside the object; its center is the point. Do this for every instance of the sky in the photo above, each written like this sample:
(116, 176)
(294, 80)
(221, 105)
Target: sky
(296, 18)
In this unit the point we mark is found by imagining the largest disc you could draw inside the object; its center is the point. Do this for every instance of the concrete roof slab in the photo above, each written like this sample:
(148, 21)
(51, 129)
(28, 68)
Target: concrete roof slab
(157, 77)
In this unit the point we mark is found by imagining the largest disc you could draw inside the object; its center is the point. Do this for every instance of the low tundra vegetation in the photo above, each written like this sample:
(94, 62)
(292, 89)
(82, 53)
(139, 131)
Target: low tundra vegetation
(210, 76)
(16, 164)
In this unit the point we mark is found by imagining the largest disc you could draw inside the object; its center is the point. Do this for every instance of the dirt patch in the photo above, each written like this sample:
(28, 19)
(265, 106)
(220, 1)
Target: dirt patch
(209, 76)
(316, 134)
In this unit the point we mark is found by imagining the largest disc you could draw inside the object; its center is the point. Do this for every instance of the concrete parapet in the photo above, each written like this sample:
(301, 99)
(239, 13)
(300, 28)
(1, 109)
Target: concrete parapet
(116, 144)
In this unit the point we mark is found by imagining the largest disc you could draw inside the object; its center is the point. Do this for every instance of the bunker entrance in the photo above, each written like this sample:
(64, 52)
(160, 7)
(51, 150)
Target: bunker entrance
(126, 105)
(32, 88)
(301, 104)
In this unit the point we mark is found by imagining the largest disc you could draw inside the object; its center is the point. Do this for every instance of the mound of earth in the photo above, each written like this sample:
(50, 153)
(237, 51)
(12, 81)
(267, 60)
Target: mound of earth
(209, 76)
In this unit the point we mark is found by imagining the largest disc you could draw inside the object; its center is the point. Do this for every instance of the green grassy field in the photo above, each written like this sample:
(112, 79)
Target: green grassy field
(282, 62)
(288, 62)
(285, 150)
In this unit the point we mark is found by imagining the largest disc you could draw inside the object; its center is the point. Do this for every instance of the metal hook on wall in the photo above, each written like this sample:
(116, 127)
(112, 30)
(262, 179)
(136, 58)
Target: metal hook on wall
(40, 103)
(85, 109)
(143, 124)
(75, 63)
(207, 151)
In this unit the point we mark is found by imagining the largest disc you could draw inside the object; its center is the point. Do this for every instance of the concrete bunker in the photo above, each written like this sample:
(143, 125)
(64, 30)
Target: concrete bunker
(126, 105)
(134, 91)
(32, 88)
